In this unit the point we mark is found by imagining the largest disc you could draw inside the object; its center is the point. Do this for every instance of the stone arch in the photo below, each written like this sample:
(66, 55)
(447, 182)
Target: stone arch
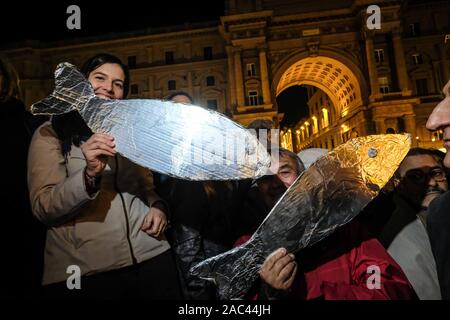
(331, 71)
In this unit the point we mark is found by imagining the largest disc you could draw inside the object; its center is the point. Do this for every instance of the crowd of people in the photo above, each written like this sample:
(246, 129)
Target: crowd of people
(133, 233)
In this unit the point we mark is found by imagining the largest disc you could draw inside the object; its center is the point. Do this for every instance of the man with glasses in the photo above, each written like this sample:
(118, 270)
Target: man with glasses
(422, 178)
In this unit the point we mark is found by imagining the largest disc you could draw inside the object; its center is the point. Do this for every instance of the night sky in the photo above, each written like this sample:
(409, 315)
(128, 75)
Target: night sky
(46, 21)
(292, 102)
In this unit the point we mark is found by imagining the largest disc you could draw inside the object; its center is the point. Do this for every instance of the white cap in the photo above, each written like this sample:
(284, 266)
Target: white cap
(309, 156)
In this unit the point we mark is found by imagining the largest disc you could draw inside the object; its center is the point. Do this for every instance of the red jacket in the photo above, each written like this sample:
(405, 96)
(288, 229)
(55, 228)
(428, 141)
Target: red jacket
(339, 267)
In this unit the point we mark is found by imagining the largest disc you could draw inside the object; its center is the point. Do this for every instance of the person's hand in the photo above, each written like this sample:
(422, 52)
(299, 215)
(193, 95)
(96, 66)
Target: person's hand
(96, 151)
(155, 222)
(279, 269)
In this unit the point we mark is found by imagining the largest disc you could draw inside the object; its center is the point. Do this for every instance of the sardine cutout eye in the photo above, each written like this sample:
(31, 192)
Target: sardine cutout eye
(372, 153)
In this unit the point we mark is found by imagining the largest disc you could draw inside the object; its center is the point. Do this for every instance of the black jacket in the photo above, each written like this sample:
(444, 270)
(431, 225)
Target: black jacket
(438, 226)
(22, 237)
(202, 226)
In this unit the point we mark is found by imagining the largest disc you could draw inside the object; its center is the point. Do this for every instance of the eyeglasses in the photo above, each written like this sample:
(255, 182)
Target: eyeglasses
(422, 176)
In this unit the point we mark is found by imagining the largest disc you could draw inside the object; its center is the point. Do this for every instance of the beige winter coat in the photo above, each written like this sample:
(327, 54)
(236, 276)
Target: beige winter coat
(97, 233)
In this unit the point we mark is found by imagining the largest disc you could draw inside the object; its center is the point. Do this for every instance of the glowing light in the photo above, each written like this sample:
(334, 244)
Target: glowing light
(325, 117)
(417, 138)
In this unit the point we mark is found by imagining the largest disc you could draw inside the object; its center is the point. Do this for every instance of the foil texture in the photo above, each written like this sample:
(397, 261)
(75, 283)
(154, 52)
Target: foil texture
(328, 195)
(183, 141)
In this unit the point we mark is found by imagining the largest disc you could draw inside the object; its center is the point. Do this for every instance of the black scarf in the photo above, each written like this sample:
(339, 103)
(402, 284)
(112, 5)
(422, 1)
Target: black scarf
(71, 129)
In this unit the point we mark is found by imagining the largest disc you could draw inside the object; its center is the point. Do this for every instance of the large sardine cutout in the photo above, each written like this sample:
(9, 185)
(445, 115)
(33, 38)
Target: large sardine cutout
(329, 194)
(184, 141)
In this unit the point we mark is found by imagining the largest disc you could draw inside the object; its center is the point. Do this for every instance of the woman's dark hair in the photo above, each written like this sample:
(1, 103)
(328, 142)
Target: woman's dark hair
(102, 58)
(9, 84)
(70, 127)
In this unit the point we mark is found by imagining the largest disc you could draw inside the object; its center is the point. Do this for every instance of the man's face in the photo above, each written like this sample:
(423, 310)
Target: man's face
(275, 185)
(422, 179)
(181, 98)
(287, 170)
(440, 119)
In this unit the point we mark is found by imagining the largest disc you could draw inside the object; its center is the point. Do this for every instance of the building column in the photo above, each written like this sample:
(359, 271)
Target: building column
(400, 63)
(150, 54)
(187, 50)
(189, 83)
(365, 129)
(289, 140)
(232, 7)
(410, 127)
(371, 66)
(231, 78)
(151, 87)
(239, 80)
(444, 66)
(264, 75)
(381, 126)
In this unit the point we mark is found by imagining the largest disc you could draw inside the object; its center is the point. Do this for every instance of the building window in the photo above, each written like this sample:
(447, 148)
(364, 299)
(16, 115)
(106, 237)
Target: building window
(384, 89)
(308, 133)
(315, 125)
(212, 104)
(134, 89)
(207, 53)
(210, 81)
(383, 84)
(132, 62)
(169, 57)
(325, 120)
(172, 85)
(345, 136)
(417, 59)
(414, 29)
(251, 70)
(422, 87)
(379, 55)
(390, 130)
(253, 98)
(437, 135)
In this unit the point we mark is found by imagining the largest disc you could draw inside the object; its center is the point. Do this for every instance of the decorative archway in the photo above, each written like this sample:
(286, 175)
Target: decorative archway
(333, 72)
(329, 75)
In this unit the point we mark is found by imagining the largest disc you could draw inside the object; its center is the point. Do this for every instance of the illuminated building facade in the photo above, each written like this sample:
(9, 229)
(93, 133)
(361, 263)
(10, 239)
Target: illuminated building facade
(360, 81)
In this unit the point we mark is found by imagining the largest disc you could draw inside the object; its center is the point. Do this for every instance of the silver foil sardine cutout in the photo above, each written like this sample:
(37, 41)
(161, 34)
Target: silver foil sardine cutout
(183, 141)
